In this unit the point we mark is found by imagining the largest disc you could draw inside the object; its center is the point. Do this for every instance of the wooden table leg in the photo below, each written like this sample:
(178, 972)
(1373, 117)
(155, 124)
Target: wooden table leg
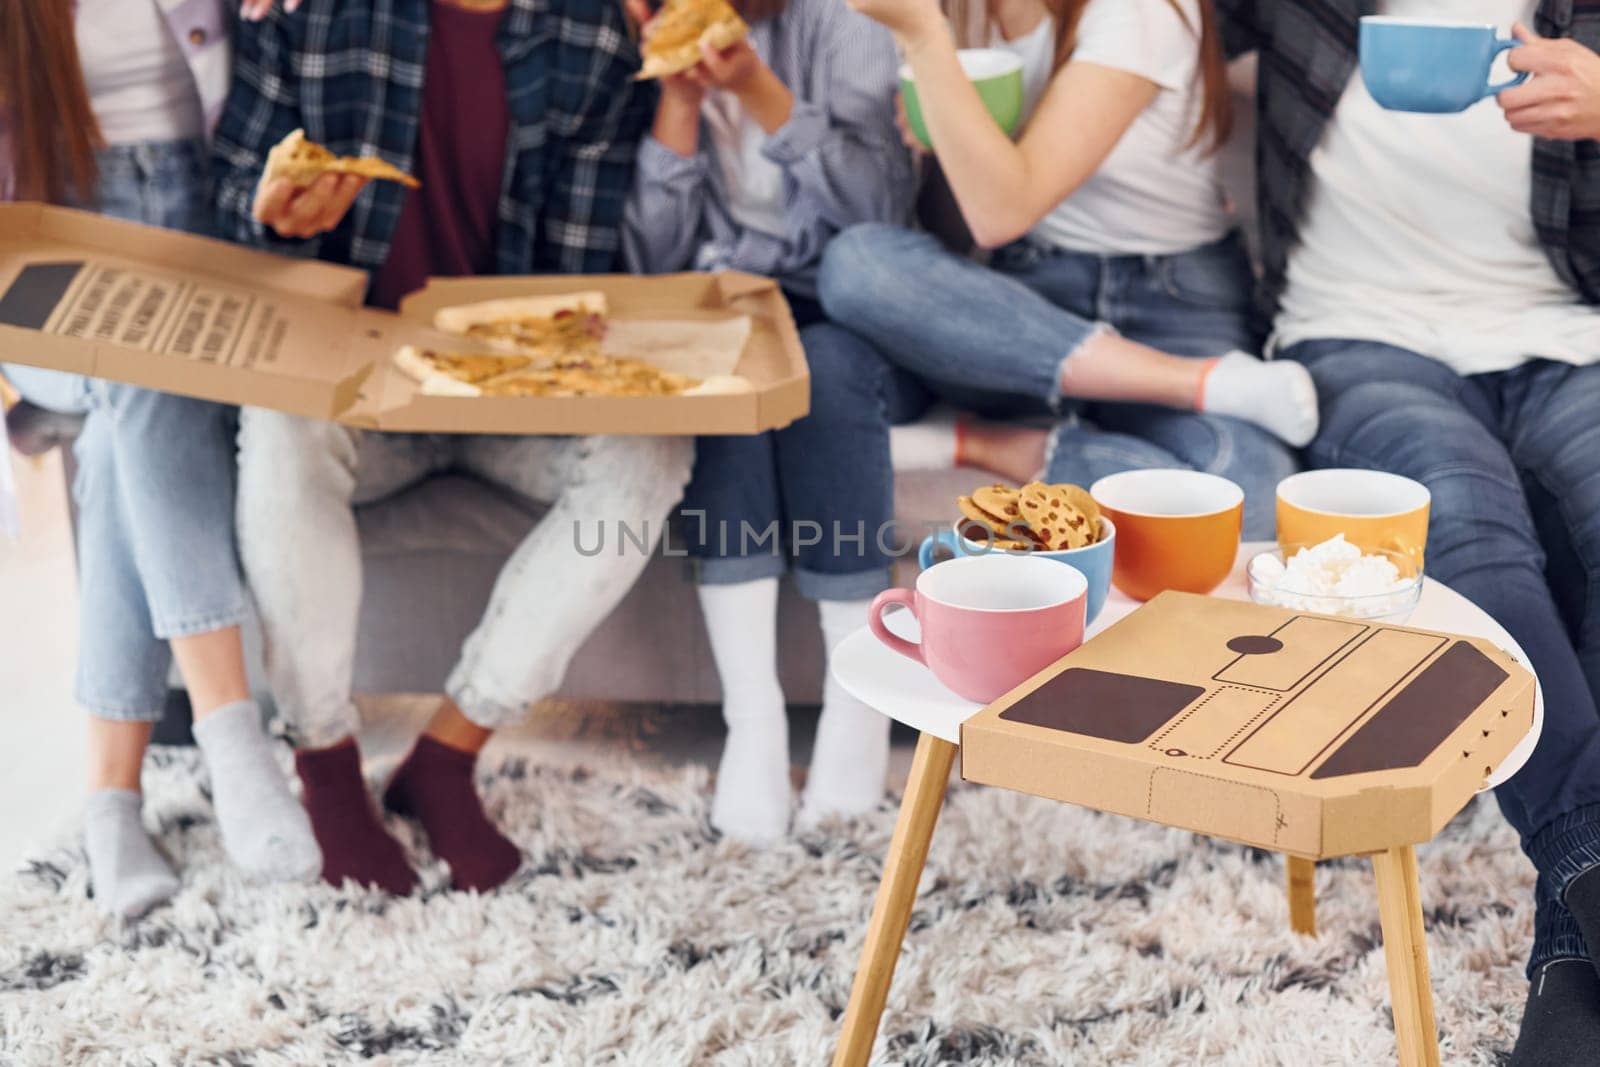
(1302, 895)
(891, 914)
(1405, 948)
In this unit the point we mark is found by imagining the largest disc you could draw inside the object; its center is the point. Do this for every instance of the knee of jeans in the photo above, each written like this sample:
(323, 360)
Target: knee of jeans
(1414, 432)
(1254, 459)
(856, 262)
(651, 471)
(1476, 515)
(143, 410)
(286, 455)
(843, 366)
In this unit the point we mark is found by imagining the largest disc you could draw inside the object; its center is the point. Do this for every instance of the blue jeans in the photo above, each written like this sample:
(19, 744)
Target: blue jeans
(992, 339)
(820, 491)
(156, 555)
(1513, 462)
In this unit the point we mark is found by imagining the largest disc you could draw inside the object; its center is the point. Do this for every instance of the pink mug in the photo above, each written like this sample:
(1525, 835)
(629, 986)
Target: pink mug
(989, 623)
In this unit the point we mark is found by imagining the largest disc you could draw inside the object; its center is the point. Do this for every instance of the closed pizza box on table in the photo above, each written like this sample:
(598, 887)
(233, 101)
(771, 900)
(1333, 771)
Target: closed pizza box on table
(1307, 734)
(215, 320)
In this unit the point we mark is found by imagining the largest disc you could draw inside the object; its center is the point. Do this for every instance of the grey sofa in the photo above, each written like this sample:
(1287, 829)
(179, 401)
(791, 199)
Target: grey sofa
(431, 554)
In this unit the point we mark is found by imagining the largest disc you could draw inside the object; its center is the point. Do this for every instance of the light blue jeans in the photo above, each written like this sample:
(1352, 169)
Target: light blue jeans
(992, 339)
(155, 484)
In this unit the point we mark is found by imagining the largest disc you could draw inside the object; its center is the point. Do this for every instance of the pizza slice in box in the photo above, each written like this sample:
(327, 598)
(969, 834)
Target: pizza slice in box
(455, 373)
(543, 346)
(544, 326)
(469, 374)
(676, 34)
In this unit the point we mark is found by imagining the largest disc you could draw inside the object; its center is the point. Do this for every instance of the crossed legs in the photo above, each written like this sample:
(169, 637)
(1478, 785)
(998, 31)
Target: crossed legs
(159, 582)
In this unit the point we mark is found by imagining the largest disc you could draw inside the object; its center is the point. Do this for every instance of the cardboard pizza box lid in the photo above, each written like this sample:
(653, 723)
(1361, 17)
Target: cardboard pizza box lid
(201, 317)
(83, 293)
(1308, 734)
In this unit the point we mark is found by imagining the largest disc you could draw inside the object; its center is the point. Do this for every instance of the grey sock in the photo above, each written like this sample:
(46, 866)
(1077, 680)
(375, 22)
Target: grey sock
(129, 876)
(264, 829)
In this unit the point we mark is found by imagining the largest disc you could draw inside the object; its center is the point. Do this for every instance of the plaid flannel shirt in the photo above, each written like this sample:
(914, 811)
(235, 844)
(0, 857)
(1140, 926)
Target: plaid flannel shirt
(351, 75)
(1308, 51)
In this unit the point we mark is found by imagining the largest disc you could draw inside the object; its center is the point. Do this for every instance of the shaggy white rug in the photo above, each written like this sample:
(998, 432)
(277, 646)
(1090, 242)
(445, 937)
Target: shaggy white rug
(1044, 934)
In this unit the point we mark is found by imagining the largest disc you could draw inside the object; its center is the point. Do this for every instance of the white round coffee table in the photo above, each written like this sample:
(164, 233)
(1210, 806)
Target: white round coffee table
(908, 693)
(905, 691)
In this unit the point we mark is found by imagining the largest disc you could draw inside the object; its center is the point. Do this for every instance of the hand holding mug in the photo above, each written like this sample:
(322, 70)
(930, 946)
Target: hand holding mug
(1562, 100)
(306, 210)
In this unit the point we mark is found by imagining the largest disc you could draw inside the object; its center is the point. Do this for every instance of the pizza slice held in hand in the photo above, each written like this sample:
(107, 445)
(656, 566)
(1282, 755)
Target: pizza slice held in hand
(303, 161)
(676, 34)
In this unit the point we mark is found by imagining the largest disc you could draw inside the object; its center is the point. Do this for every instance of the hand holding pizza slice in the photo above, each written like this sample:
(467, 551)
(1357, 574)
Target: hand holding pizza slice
(676, 35)
(305, 189)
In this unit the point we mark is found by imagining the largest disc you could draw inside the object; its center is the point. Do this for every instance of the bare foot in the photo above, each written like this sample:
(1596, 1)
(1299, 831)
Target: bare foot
(1014, 452)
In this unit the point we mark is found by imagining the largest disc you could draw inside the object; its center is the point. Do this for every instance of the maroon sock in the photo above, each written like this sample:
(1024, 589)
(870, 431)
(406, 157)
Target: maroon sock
(434, 785)
(347, 826)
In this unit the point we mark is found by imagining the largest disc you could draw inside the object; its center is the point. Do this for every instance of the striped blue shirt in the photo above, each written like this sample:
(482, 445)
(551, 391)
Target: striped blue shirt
(841, 154)
(351, 75)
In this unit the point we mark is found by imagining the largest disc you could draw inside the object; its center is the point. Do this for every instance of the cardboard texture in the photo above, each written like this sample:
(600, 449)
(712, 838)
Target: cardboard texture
(206, 318)
(1306, 734)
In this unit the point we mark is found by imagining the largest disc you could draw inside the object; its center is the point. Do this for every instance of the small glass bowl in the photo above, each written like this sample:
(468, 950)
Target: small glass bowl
(1393, 607)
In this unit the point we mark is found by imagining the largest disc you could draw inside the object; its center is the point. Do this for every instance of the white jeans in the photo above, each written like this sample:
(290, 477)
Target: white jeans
(298, 481)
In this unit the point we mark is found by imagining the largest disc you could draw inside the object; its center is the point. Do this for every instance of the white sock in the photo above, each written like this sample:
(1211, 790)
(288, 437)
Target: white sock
(926, 445)
(129, 875)
(851, 756)
(1279, 396)
(751, 802)
(264, 829)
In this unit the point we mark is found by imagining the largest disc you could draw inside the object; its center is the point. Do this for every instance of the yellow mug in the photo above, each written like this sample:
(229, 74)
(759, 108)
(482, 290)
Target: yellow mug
(1176, 529)
(1373, 509)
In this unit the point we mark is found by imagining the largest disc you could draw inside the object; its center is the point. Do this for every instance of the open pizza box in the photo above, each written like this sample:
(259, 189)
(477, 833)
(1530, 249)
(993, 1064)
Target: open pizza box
(1306, 734)
(667, 313)
(206, 318)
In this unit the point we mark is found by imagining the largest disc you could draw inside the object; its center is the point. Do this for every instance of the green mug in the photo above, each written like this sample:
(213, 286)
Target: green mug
(997, 75)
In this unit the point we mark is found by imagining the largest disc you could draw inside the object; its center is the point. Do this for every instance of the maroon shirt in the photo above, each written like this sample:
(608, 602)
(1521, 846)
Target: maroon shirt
(447, 227)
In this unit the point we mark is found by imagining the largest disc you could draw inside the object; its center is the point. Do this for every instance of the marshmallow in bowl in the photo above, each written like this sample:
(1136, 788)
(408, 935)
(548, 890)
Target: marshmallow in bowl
(1324, 578)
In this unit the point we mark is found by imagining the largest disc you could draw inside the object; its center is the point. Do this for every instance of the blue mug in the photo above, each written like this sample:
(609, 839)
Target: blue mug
(1435, 68)
(1092, 561)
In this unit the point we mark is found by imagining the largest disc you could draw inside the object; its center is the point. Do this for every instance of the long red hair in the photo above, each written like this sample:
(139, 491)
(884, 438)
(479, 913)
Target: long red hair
(973, 24)
(44, 104)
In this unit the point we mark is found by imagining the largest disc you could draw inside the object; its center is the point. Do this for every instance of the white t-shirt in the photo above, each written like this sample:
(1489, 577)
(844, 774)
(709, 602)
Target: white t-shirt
(754, 182)
(1419, 232)
(1151, 196)
(1037, 50)
(139, 84)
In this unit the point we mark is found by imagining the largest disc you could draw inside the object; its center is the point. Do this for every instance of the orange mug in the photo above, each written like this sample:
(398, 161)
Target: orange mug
(1176, 529)
(1372, 509)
